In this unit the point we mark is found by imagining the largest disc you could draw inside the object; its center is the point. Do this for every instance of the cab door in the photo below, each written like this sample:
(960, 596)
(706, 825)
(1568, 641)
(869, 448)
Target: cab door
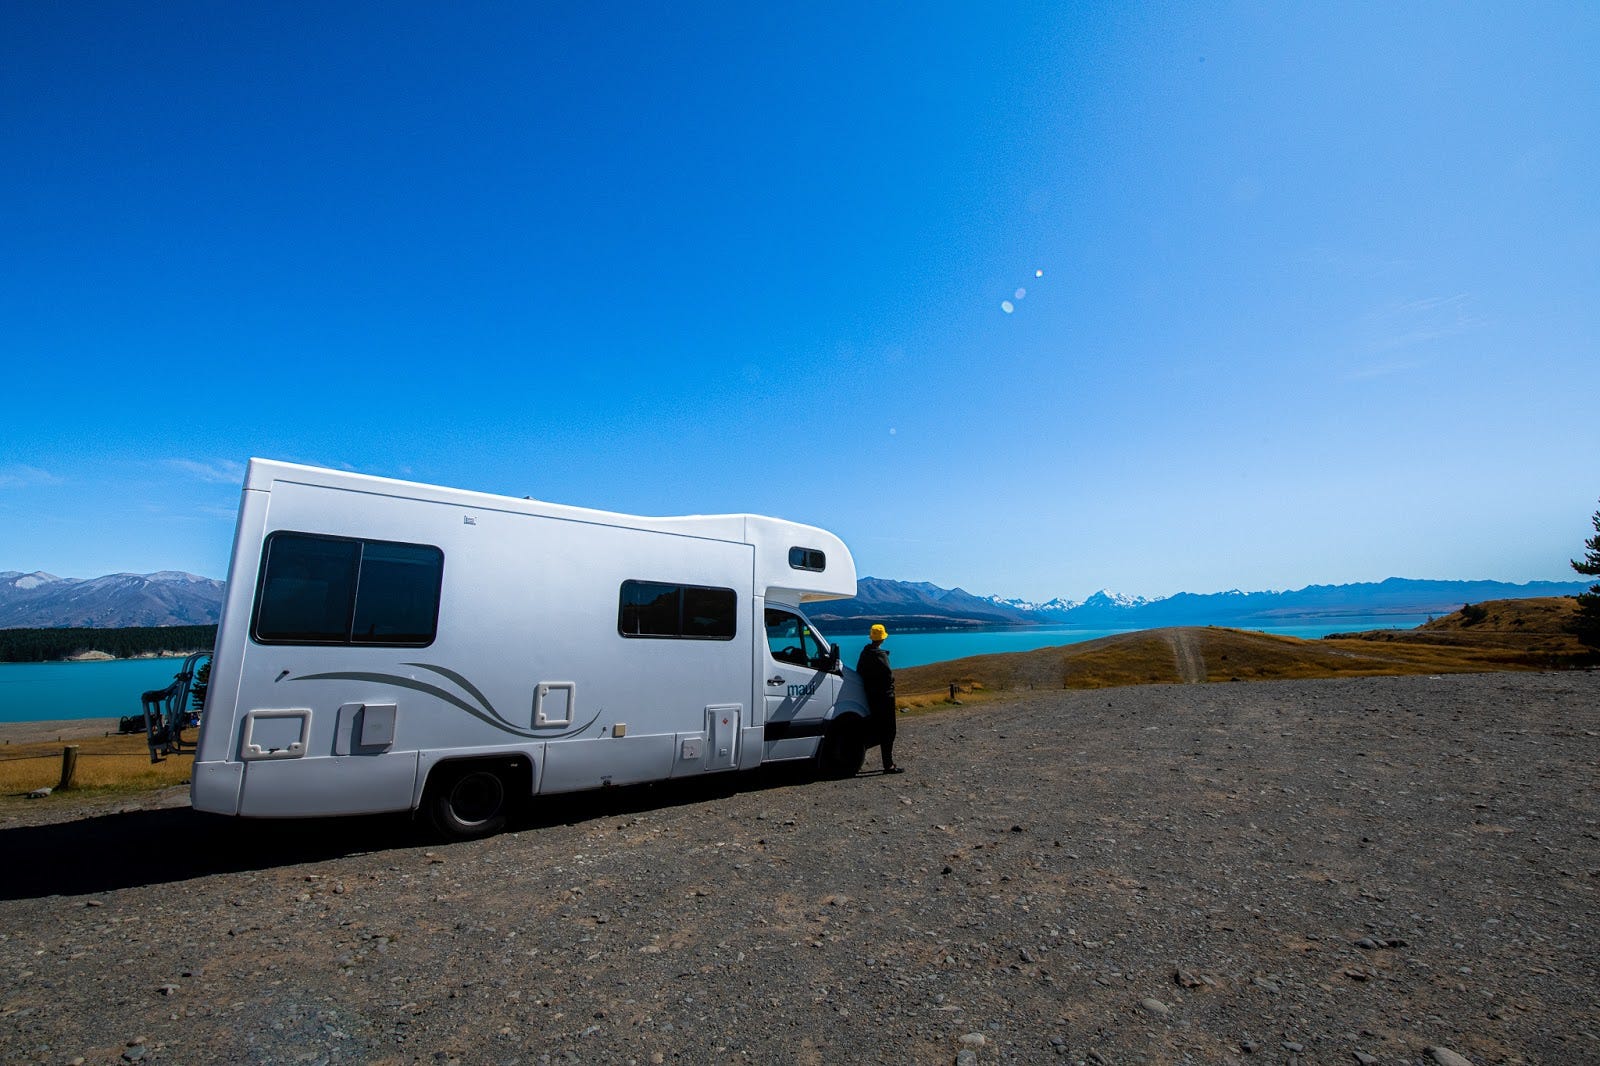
(800, 684)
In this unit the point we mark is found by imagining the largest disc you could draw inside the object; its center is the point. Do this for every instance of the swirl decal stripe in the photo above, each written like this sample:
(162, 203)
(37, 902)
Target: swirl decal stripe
(487, 715)
(468, 686)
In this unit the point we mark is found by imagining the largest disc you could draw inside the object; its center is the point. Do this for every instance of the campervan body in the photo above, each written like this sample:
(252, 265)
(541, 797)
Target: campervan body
(389, 646)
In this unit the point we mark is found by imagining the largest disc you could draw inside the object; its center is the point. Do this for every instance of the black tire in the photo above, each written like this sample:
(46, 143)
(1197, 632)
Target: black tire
(843, 749)
(470, 802)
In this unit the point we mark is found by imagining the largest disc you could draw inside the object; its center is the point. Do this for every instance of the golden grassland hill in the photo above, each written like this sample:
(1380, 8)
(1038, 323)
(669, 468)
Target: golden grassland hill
(1531, 634)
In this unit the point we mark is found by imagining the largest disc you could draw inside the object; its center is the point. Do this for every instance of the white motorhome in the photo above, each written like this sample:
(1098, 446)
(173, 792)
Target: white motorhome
(387, 646)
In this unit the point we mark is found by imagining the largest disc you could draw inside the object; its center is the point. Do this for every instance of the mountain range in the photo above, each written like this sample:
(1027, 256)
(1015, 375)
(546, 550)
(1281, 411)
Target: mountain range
(170, 598)
(115, 601)
(919, 605)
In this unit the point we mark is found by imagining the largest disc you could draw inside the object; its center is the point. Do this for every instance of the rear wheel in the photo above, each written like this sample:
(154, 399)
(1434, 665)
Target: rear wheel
(470, 802)
(843, 749)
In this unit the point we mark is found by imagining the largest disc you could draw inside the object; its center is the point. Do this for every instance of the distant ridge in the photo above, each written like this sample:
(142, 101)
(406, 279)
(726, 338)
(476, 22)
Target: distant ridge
(174, 598)
(115, 601)
(920, 605)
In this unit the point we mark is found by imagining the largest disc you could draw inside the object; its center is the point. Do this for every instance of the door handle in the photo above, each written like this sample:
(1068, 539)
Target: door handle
(776, 680)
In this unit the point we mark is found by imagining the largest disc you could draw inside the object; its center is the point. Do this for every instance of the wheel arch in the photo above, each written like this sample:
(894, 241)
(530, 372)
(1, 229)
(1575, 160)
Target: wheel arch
(521, 765)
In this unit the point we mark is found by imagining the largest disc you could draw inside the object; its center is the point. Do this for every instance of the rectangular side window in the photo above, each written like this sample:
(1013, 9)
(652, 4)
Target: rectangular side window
(807, 559)
(307, 587)
(648, 610)
(397, 595)
(708, 614)
(338, 590)
(691, 612)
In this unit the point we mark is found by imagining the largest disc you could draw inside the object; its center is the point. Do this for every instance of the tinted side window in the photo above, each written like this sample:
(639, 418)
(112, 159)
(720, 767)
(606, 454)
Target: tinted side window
(694, 612)
(708, 613)
(397, 594)
(648, 610)
(334, 590)
(307, 586)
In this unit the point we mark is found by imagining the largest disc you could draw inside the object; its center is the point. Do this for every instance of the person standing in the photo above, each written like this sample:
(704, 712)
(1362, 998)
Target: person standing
(878, 679)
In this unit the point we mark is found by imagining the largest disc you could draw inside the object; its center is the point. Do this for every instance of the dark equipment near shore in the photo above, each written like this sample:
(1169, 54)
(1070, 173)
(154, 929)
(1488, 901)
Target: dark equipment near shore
(166, 711)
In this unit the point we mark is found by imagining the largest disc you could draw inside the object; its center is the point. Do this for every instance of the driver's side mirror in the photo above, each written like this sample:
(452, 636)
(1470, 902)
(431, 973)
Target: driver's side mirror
(833, 660)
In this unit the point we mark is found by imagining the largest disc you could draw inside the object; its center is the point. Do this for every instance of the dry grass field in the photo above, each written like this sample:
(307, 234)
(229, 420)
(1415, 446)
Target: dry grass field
(104, 762)
(1533, 634)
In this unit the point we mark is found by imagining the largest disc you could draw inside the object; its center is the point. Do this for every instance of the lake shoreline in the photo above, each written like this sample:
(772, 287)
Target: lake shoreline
(63, 729)
(106, 657)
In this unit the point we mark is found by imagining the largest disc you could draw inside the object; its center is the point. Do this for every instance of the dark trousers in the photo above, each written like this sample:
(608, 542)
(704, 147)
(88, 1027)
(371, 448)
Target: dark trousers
(883, 727)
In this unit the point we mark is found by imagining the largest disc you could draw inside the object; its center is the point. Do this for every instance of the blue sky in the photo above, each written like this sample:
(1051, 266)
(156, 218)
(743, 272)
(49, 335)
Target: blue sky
(1310, 293)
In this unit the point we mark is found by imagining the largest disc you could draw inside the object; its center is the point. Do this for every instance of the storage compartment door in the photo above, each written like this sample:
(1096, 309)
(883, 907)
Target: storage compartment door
(722, 735)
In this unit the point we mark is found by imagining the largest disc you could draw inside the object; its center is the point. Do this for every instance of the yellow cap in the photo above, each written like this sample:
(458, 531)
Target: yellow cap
(879, 633)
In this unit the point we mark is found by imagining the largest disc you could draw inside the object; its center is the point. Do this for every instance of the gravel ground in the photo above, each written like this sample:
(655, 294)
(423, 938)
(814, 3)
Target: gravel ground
(1359, 870)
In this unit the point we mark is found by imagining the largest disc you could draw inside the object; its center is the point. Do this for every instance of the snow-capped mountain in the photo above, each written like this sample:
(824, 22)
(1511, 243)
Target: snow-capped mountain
(1104, 598)
(1047, 607)
(1054, 609)
(165, 598)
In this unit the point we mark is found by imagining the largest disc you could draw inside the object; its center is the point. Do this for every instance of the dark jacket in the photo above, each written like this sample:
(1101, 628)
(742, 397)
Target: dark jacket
(876, 676)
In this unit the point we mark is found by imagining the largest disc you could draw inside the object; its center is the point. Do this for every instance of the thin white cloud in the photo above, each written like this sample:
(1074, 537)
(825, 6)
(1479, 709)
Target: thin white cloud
(1412, 322)
(17, 476)
(214, 472)
(1381, 370)
(1393, 339)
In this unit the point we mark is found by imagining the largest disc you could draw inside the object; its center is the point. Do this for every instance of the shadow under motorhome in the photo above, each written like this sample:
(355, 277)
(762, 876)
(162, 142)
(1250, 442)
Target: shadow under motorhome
(390, 646)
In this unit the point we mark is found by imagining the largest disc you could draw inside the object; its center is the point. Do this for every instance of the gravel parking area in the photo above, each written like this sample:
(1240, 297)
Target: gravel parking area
(1357, 870)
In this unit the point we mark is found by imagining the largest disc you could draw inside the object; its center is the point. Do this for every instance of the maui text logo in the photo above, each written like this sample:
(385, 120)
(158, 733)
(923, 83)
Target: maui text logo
(805, 691)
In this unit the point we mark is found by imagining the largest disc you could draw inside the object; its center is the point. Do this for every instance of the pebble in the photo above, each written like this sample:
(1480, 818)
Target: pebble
(966, 1057)
(1155, 1006)
(974, 1040)
(1445, 1057)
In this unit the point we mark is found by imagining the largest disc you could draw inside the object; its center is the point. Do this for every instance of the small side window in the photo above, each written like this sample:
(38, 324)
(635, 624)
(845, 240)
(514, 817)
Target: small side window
(648, 610)
(676, 612)
(807, 559)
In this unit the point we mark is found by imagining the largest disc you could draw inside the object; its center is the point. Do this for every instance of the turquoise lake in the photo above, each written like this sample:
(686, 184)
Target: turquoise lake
(42, 691)
(919, 649)
(31, 692)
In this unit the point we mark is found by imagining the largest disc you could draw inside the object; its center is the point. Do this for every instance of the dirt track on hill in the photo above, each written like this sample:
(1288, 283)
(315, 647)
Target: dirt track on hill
(1187, 657)
(1316, 872)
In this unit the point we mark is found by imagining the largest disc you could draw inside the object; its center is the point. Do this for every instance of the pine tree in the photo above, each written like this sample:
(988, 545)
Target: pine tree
(1589, 602)
(197, 689)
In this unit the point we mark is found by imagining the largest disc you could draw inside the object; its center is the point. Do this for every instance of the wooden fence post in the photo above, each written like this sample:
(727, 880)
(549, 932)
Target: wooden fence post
(69, 765)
